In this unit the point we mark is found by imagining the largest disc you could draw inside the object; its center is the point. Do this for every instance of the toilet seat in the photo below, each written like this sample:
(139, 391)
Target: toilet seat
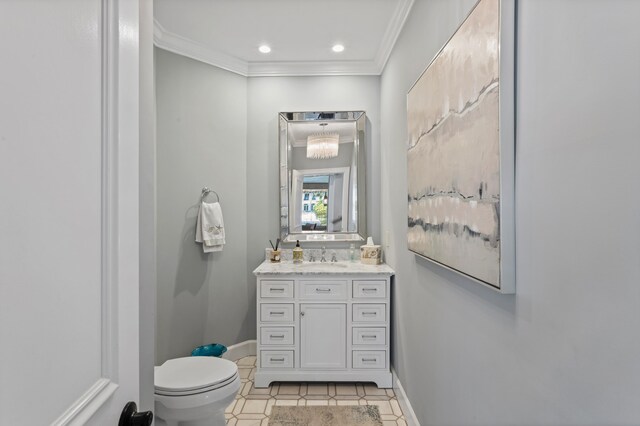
(197, 391)
(193, 375)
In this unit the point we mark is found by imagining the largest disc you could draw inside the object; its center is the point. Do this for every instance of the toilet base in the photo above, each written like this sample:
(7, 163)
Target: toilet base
(203, 409)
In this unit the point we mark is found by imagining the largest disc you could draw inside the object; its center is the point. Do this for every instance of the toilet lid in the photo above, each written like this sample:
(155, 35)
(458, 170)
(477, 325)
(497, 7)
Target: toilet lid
(193, 373)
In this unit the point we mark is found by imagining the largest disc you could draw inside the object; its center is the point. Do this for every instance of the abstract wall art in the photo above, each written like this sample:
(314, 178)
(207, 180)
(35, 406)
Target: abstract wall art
(460, 156)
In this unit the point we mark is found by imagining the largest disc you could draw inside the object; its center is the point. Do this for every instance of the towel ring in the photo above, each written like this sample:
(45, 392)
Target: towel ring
(206, 191)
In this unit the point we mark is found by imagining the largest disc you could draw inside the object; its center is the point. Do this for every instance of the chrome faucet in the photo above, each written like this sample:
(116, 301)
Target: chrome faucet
(324, 252)
(333, 257)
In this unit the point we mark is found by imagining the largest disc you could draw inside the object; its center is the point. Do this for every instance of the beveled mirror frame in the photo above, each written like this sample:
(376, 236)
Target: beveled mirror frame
(357, 205)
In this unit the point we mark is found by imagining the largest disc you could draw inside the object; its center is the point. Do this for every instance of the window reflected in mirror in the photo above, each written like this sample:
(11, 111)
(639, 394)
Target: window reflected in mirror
(315, 203)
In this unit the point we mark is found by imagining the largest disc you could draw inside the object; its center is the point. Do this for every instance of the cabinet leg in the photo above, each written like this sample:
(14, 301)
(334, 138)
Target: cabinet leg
(260, 382)
(385, 382)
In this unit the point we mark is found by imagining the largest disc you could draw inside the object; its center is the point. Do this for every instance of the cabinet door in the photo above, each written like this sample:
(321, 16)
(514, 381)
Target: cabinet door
(323, 336)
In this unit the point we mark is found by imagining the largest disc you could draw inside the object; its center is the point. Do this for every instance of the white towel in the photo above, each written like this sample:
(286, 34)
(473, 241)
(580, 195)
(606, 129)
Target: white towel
(210, 227)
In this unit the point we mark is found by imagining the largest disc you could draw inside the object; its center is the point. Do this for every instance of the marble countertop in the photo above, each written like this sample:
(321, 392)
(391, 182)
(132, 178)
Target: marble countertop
(319, 268)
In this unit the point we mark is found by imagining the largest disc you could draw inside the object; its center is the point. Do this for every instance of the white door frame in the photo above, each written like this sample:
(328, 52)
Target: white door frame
(147, 188)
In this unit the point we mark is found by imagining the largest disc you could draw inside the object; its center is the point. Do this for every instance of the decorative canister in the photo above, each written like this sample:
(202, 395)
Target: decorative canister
(370, 254)
(275, 256)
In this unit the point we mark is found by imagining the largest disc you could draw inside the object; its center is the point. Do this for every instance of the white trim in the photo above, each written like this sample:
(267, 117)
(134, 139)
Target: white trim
(264, 377)
(109, 136)
(183, 46)
(311, 68)
(126, 172)
(84, 407)
(147, 207)
(403, 400)
(186, 47)
(240, 350)
(396, 24)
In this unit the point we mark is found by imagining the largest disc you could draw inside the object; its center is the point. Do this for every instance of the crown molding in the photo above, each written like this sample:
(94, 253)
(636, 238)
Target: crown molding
(311, 68)
(392, 33)
(186, 47)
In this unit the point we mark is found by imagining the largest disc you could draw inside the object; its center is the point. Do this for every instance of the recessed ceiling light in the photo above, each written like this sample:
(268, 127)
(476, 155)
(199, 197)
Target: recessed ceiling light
(337, 48)
(264, 48)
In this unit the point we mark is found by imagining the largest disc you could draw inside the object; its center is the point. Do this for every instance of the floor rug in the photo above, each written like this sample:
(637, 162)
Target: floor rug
(358, 415)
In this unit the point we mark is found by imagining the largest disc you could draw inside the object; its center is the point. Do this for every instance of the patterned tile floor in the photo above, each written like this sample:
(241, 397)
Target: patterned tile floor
(253, 406)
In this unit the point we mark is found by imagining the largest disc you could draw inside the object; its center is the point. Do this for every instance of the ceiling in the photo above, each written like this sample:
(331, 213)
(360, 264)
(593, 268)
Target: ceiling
(227, 34)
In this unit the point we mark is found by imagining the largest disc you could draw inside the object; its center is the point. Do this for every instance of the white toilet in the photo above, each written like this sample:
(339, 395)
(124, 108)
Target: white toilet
(194, 391)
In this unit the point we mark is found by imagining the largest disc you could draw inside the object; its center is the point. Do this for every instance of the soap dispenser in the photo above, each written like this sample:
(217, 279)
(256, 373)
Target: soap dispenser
(297, 253)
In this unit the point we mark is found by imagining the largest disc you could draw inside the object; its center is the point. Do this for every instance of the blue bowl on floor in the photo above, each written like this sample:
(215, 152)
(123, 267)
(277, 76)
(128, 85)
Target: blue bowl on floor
(213, 349)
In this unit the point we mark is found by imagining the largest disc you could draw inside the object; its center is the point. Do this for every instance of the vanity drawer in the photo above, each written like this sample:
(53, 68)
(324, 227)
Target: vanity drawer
(279, 289)
(323, 290)
(369, 359)
(276, 359)
(369, 336)
(369, 312)
(369, 289)
(276, 335)
(276, 312)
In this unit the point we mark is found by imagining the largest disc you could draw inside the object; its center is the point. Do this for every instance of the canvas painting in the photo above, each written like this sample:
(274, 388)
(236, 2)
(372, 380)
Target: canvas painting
(454, 163)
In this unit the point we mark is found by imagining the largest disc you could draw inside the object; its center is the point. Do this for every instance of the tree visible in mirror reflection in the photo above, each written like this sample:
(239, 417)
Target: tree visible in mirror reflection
(320, 209)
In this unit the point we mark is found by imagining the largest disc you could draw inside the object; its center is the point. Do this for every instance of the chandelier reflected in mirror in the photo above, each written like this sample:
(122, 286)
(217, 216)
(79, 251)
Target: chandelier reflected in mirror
(323, 145)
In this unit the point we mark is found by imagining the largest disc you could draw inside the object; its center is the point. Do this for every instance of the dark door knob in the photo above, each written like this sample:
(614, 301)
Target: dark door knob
(131, 417)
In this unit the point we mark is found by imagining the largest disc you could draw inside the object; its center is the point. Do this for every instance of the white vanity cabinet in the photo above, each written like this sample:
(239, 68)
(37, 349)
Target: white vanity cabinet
(323, 336)
(329, 324)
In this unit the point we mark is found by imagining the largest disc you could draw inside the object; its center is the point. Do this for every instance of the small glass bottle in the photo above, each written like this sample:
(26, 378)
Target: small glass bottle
(352, 252)
(297, 253)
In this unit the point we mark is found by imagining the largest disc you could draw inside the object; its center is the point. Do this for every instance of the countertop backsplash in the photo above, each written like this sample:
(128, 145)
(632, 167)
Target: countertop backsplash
(342, 254)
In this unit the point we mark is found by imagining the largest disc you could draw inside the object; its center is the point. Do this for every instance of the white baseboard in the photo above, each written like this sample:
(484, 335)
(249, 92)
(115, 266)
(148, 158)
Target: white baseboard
(404, 402)
(240, 350)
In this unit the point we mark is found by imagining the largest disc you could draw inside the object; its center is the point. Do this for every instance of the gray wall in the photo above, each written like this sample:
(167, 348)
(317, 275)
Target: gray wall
(219, 129)
(565, 349)
(201, 141)
(267, 96)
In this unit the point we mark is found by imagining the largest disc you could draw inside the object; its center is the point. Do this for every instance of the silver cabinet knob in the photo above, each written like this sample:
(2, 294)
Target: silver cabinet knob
(301, 313)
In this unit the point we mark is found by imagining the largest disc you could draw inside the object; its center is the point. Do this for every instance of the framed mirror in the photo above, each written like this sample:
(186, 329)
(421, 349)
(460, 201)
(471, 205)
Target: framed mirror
(322, 176)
